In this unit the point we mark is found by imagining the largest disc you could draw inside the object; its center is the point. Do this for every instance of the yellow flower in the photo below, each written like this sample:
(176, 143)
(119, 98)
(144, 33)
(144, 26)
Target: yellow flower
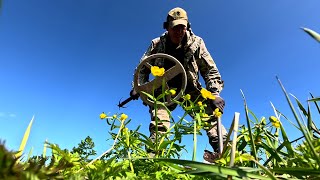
(172, 91)
(273, 119)
(247, 138)
(123, 117)
(187, 97)
(276, 124)
(199, 103)
(156, 71)
(114, 116)
(207, 94)
(217, 113)
(103, 115)
(205, 115)
(125, 130)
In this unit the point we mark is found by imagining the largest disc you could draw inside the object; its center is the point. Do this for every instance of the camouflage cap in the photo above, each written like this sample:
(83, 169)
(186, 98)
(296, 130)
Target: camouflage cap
(178, 16)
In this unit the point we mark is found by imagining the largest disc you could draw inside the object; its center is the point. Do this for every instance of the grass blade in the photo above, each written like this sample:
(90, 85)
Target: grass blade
(253, 147)
(30, 153)
(24, 139)
(296, 171)
(285, 138)
(302, 128)
(44, 152)
(312, 33)
(207, 168)
(315, 128)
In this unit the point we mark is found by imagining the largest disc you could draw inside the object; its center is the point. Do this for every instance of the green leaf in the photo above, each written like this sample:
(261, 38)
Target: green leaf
(164, 144)
(219, 170)
(315, 99)
(274, 154)
(297, 171)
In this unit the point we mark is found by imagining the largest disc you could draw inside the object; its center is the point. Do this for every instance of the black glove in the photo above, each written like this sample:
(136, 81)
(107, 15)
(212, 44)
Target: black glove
(134, 94)
(218, 102)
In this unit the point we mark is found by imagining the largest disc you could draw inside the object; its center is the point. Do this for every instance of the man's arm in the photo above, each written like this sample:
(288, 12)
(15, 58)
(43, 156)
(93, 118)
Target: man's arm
(209, 70)
(211, 75)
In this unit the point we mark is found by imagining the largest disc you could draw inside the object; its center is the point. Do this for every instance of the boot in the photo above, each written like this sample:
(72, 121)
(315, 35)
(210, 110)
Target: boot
(210, 157)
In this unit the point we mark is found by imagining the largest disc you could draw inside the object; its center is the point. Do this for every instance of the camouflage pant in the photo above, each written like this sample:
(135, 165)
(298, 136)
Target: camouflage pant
(164, 122)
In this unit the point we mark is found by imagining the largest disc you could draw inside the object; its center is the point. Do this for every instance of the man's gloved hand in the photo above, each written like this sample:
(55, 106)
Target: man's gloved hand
(134, 94)
(218, 102)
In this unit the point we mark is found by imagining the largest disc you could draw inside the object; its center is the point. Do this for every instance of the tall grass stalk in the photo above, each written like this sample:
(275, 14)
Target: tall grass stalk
(30, 153)
(44, 152)
(285, 138)
(302, 128)
(24, 140)
(234, 139)
(194, 154)
(253, 147)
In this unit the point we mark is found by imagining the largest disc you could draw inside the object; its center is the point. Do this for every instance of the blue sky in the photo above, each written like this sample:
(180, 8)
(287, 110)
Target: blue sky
(65, 62)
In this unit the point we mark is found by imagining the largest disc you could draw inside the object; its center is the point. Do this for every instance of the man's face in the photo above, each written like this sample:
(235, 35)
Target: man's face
(177, 33)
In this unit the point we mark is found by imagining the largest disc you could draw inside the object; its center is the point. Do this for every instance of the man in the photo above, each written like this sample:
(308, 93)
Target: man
(180, 42)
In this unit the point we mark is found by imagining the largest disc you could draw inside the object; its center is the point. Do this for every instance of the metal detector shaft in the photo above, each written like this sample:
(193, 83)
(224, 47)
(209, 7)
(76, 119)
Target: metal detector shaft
(121, 104)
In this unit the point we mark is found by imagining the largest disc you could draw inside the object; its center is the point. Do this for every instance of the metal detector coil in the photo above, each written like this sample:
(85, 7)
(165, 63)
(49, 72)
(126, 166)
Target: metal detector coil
(156, 83)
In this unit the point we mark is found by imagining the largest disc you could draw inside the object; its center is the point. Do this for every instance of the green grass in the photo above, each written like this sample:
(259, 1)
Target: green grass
(263, 151)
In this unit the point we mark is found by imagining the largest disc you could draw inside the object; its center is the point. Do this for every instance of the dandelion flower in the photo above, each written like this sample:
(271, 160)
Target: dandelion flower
(103, 115)
(217, 113)
(200, 103)
(207, 94)
(276, 124)
(187, 97)
(273, 119)
(123, 117)
(172, 91)
(205, 115)
(125, 130)
(156, 71)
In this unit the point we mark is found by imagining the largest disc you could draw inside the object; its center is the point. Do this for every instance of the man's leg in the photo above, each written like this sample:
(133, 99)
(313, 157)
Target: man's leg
(163, 123)
(212, 133)
(213, 136)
